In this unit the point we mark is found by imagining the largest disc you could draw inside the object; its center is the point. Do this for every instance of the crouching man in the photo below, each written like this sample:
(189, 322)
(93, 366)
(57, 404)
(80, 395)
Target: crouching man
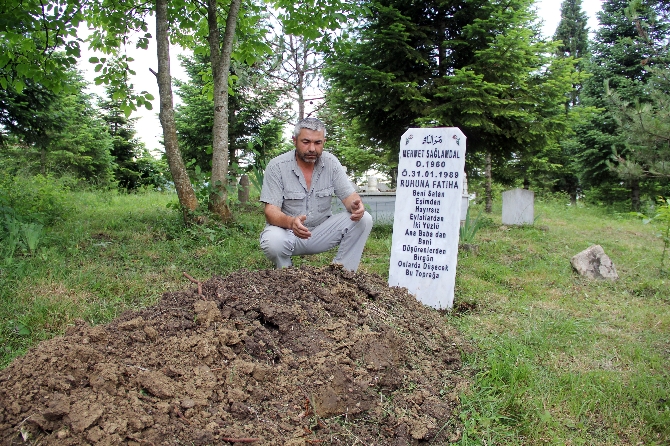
(297, 190)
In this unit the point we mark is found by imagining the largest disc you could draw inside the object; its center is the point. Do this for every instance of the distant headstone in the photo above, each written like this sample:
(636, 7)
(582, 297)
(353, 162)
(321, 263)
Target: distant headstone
(518, 207)
(426, 221)
(465, 199)
(243, 190)
(594, 264)
(372, 183)
(381, 205)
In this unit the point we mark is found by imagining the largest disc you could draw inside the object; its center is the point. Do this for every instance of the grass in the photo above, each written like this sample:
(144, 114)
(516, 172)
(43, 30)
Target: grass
(558, 359)
(561, 359)
(114, 253)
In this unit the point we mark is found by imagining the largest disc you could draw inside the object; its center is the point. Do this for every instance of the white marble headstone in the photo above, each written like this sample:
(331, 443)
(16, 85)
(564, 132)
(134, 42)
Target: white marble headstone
(427, 214)
(518, 207)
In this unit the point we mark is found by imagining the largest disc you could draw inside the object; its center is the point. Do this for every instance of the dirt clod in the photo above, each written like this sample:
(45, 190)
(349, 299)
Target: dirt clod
(291, 357)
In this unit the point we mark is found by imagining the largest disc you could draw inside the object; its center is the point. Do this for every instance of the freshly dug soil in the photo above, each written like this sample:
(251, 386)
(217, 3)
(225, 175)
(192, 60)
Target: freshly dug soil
(298, 356)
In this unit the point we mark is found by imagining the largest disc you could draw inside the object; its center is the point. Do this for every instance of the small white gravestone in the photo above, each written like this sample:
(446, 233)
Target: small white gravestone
(427, 214)
(518, 207)
(465, 199)
(372, 183)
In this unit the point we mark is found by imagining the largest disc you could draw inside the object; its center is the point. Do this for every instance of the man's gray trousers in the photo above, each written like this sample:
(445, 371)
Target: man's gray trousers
(280, 244)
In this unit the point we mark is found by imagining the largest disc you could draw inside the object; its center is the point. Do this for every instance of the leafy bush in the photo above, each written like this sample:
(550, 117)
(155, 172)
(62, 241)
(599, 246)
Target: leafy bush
(154, 173)
(42, 199)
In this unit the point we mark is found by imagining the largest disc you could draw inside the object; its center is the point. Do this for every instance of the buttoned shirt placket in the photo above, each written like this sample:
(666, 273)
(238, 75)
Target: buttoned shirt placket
(309, 194)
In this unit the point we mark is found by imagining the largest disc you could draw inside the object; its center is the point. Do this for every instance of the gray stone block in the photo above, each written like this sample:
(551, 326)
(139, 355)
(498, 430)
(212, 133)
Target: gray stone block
(594, 264)
(518, 207)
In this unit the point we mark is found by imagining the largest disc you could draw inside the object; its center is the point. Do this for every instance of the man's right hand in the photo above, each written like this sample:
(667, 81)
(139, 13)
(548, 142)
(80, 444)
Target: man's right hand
(299, 229)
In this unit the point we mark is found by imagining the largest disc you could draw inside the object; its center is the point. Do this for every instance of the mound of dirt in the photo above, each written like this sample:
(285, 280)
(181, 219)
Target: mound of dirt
(297, 356)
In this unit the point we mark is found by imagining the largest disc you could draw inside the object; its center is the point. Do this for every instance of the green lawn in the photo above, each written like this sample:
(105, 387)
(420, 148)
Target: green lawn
(558, 359)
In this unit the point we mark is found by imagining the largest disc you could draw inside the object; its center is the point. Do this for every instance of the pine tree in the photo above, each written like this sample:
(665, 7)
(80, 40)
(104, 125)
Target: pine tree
(646, 129)
(572, 33)
(477, 65)
(574, 36)
(509, 100)
(631, 37)
(126, 148)
(384, 77)
(56, 132)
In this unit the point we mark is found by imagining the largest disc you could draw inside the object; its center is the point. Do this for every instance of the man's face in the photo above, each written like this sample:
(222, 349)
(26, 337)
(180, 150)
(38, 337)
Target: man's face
(309, 145)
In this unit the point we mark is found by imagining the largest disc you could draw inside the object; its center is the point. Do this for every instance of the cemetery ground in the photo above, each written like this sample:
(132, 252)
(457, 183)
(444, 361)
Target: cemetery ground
(531, 354)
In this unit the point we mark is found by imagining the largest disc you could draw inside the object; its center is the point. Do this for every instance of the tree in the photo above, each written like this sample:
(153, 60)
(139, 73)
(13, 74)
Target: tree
(56, 132)
(220, 53)
(631, 37)
(183, 186)
(126, 148)
(509, 100)
(253, 112)
(645, 126)
(297, 65)
(480, 66)
(573, 34)
(384, 77)
(38, 42)
(186, 24)
(113, 23)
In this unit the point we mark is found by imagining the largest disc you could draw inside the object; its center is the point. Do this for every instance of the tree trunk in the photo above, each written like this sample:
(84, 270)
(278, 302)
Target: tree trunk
(635, 195)
(300, 62)
(489, 195)
(220, 57)
(182, 183)
(573, 185)
(43, 161)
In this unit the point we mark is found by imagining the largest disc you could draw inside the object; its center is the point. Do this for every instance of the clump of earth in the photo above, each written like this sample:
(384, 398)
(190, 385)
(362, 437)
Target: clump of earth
(299, 356)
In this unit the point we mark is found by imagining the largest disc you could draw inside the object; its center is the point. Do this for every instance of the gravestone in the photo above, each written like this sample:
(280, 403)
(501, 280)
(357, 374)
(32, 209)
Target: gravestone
(426, 221)
(518, 207)
(372, 183)
(465, 199)
(243, 190)
(381, 205)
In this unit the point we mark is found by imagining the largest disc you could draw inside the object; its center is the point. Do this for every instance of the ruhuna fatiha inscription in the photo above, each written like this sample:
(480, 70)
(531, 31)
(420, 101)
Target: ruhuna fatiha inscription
(427, 214)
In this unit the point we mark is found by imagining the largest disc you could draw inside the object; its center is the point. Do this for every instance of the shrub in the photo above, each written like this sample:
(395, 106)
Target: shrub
(42, 199)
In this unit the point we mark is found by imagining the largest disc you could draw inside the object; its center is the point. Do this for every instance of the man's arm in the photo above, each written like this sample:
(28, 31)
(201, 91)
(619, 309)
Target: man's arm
(275, 217)
(354, 205)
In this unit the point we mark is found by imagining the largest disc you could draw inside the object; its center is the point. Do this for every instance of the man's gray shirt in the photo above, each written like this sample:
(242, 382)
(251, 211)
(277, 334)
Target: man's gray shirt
(284, 186)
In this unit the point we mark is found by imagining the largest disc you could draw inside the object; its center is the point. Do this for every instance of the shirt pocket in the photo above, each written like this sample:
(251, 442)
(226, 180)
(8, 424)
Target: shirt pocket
(294, 203)
(324, 198)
